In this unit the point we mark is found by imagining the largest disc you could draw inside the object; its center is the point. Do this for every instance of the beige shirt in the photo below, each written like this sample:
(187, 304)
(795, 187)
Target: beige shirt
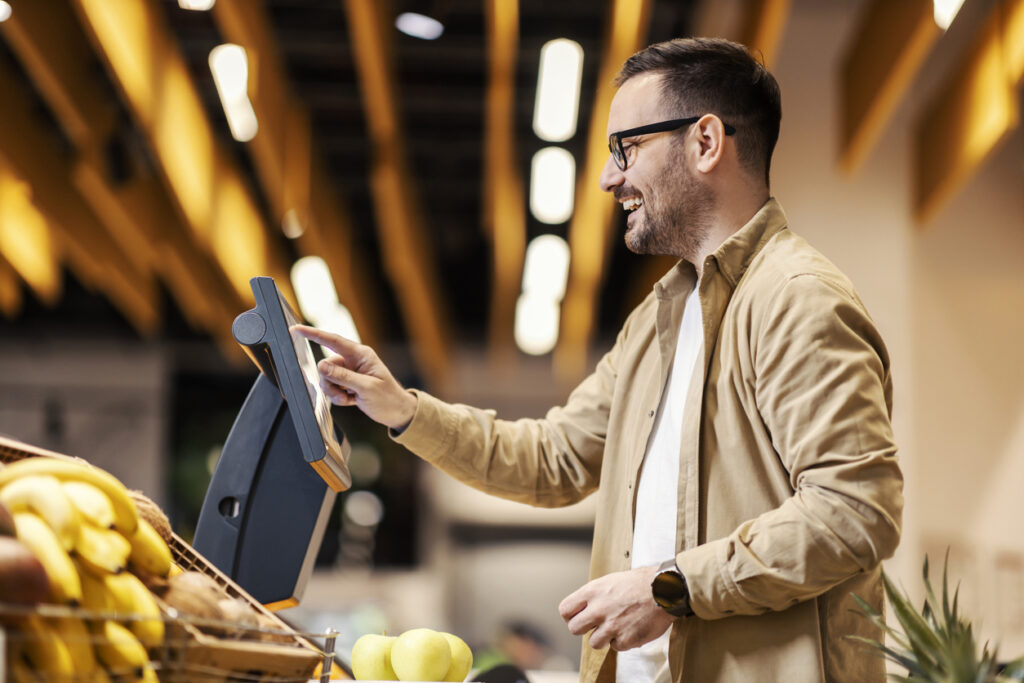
(790, 494)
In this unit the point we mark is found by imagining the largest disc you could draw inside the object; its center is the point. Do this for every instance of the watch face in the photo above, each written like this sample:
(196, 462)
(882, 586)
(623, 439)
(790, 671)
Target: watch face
(670, 592)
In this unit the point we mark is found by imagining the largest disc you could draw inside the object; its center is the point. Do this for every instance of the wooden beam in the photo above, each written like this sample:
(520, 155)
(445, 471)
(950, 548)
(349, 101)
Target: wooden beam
(32, 152)
(135, 212)
(203, 180)
(26, 241)
(590, 227)
(504, 204)
(972, 113)
(10, 290)
(885, 54)
(407, 253)
(761, 27)
(290, 167)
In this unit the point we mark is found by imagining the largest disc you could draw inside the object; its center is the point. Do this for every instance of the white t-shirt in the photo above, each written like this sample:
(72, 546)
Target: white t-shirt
(654, 530)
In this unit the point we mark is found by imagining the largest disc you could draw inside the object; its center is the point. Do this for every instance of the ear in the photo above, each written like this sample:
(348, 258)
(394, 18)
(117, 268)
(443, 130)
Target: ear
(711, 139)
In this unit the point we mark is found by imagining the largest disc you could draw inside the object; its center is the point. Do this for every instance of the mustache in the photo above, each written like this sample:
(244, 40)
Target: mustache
(623, 191)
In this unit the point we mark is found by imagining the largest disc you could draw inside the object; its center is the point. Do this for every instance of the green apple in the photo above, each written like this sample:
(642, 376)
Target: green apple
(371, 658)
(462, 658)
(421, 654)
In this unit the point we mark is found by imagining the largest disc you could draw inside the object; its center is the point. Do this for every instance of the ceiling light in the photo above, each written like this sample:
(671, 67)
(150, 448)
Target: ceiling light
(198, 5)
(230, 67)
(546, 267)
(314, 288)
(536, 326)
(5, 10)
(419, 26)
(552, 184)
(945, 11)
(291, 226)
(558, 90)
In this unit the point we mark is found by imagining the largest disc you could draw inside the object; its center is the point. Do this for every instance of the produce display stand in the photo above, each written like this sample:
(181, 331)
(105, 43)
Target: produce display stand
(273, 652)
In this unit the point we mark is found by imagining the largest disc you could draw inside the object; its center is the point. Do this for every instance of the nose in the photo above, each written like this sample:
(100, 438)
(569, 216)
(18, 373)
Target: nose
(611, 176)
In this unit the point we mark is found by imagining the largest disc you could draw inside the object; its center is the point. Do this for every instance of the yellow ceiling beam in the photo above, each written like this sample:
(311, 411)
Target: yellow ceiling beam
(32, 153)
(972, 113)
(405, 248)
(291, 171)
(590, 229)
(135, 212)
(204, 182)
(10, 290)
(762, 24)
(885, 54)
(25, 239)
(504, 204)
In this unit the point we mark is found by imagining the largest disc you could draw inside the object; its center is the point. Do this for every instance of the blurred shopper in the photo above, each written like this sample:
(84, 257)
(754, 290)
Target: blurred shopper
(737, 434)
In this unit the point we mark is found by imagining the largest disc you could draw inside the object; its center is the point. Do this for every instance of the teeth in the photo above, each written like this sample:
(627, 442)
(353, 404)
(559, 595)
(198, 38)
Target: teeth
(632, 203)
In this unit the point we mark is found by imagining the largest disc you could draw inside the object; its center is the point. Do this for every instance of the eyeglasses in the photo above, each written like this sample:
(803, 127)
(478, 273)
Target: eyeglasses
(619, 152)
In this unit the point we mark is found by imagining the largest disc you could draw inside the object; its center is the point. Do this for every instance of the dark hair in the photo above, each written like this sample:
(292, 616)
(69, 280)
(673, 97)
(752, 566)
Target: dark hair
(717, 76)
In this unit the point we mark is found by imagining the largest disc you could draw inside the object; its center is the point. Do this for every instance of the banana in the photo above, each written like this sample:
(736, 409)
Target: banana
(149, 551)
(120, 650)
(18, 671)
(95, 596)
(46, 650)
(131, 598)
(92, 503)
(44, 496)
(65, 586)
(78, 640)
(126, 517)
(102, 550)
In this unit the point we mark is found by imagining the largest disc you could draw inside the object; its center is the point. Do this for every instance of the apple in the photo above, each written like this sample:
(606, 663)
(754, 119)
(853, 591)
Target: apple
(462, 658)
(371, 658)
(421, 654)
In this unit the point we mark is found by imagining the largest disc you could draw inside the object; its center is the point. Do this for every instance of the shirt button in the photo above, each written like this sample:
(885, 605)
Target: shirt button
(627, 553)
(650, 414)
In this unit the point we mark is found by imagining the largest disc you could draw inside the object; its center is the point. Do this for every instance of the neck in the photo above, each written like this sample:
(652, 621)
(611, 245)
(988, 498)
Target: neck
(732, 212)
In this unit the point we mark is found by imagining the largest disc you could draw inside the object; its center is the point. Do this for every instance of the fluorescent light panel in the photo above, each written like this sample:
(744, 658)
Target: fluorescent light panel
(318, 299)
(5, 10)
(945, 12)
(419, 26)
(197, 5)
(536, 327)
(546, 267)
(230, 67)
(552, 185)
(558, 90)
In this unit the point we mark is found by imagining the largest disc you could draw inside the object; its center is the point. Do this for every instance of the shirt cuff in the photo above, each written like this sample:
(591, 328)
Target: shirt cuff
(430, 432)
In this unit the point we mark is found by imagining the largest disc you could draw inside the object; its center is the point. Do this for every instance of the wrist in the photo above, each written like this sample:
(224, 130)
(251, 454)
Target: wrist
(407, 413)
(670, 590)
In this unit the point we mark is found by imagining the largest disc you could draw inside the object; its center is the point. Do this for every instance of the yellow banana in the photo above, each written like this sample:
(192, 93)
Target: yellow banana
(43, 495)
(65, 586)
(102, 550)
(92, 503)
(149, 550)
(131, 598)
(46, 650)
(120, 650)
(18, 671)
(95, 596)
(126, 517)
(78, 640)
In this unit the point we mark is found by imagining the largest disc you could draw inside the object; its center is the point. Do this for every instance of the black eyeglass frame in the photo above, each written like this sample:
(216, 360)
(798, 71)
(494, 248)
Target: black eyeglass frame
(619, 152)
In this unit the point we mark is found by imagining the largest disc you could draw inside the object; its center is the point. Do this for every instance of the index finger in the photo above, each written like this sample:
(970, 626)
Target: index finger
(335, 342)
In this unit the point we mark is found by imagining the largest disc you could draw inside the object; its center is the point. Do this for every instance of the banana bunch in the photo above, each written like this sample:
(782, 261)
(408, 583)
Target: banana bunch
(82, 525)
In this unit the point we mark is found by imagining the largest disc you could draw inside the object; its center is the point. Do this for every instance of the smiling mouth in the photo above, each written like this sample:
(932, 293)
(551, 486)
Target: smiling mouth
(632, 204)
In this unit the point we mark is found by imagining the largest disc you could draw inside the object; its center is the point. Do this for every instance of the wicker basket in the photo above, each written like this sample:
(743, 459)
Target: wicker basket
(189, 654)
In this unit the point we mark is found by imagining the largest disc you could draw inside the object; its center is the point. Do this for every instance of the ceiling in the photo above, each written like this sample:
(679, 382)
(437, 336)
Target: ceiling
(440, 95)
(405, 161)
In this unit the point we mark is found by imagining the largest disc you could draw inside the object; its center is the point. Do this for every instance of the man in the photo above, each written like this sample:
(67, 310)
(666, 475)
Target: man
(738, 433)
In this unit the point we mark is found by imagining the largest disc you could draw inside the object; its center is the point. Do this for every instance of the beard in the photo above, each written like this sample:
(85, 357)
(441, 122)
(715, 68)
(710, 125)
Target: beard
(676, 214)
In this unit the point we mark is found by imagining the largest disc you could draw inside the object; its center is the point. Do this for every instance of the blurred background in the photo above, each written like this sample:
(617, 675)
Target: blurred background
(399, 169)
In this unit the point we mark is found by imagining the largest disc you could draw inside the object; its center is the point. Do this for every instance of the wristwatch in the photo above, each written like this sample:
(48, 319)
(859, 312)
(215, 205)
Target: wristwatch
(670, 590)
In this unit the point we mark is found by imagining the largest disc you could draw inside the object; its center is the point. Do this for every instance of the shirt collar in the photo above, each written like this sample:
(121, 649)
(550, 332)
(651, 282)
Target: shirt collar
(733, 255)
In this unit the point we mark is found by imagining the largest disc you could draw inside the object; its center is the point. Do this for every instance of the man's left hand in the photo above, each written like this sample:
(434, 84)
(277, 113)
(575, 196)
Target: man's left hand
(619, 608)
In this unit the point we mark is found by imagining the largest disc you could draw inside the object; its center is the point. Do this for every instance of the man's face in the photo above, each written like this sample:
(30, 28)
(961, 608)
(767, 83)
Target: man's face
(668, 203)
